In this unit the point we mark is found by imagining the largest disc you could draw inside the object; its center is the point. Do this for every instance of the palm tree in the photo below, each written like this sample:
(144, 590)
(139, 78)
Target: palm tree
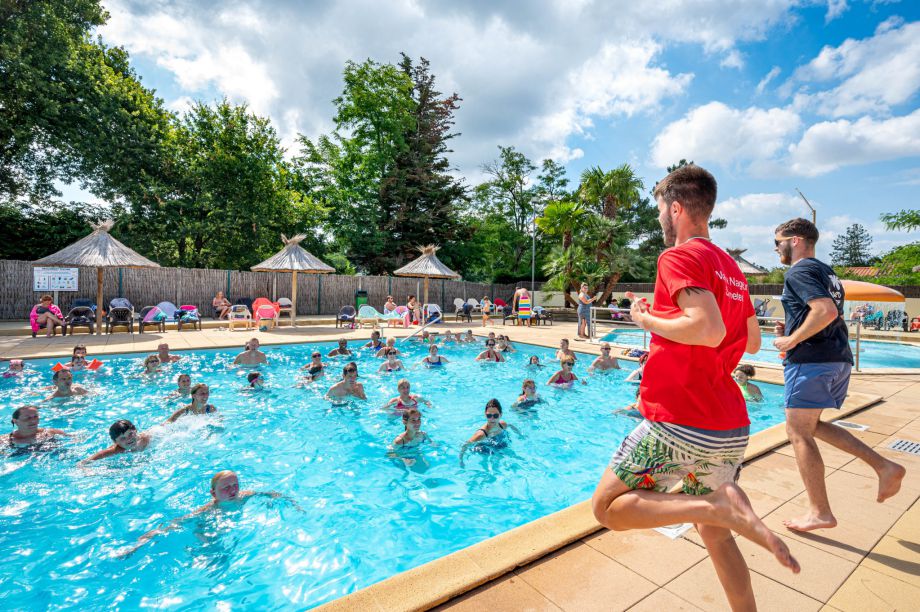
(560, 219)
(607, 192)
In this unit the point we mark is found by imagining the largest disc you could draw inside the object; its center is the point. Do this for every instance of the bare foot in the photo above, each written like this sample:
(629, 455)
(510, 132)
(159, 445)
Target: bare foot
(889, 480)
(810, 522)
(740, 517)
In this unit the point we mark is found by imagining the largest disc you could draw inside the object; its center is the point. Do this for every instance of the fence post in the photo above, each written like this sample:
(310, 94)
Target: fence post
(179, 287)
(442, 293)
(227, 295)
(120, 292)
(319, 293)
(492, 292)
(389, 285)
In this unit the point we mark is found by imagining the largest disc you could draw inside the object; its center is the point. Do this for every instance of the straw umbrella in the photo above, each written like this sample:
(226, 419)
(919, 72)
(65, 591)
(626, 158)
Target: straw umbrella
(98, 250)
(427, 266)
(293, 258)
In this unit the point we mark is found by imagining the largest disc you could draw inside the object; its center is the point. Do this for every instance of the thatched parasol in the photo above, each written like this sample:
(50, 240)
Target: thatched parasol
(293, 258)
(98, 250)
(427, 266)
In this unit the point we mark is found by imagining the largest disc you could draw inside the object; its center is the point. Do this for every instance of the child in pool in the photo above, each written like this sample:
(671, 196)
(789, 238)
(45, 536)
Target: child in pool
(413, 435)
(392, 364)
(534, 362)
(743, 375)
(78, 358)
(256, 381)
(529, 395)
(183, 387)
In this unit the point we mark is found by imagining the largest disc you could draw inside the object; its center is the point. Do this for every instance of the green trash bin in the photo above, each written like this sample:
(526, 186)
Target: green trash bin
(360, 299)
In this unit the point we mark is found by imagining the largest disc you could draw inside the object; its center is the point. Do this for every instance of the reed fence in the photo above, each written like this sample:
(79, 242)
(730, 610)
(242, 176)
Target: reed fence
(316, 294)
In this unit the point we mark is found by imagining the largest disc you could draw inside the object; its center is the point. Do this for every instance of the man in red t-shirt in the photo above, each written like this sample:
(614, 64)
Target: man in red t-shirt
(696, 425)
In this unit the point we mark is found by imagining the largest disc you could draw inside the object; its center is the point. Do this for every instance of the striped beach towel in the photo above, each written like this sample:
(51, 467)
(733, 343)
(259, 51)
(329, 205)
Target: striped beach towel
(524, 307)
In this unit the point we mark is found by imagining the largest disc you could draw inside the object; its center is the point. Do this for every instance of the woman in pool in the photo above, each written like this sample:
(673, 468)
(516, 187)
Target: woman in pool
(490, 354)
(256, 381)
(389, 347)
(604, 361)
(413, 435)
(251, 354)
(125, 439)
(16, 368)
(492, 435)
(375, 342)
(341, 351)
(348, 386)
(504, 345)
(151, 364)
(63, 385)
(534, 362)
(449, 337)
(434, 360)
(199, 405)
(529, 395)
(564, 351)
(183, 387)
(405, 400)
(565, 377)
(743, 375)
(27, 432)
(392, 363)
(316, 368)
(469, 337)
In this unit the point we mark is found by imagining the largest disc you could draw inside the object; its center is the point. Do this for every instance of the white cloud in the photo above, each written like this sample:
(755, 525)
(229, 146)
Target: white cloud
(716, 133)
(752, 219)
(762, 85)
(835, 8)
(874, 73)
(830, 145)
(733, 59)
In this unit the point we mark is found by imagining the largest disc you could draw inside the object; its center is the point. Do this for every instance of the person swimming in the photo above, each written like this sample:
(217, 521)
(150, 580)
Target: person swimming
(348, 386)
(151, 364)
(16, 368)
(434, 360)
(490, 354)
(251, 354)
(604, 361)
(529, 395)
(405, 400)
(256, 381)
(504, 344)
(164, 355)
(63, 385)
(25, 420)
(469, 337)
(386, 349)
(125, 439)
(316, 368)
(78, 358)
(392, 363)
(743, 375)
(491, 436)
(449, 337)
(412, 437)
(199, 405)
(183, 387)
(342, 350)
(534, 362)
(374, 342)
(565, 377)
(564, 351)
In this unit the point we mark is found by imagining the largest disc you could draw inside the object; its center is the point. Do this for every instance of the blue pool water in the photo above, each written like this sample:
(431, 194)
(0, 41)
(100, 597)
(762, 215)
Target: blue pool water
(363, 516)
(872, 354)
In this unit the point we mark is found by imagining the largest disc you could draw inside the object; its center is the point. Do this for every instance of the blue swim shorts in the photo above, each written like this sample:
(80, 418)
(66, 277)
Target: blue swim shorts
(816, 385)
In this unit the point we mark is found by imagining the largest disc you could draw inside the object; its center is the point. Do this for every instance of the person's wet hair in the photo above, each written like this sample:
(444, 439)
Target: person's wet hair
(57, 375)
(410, 413)
(494, 403)
(252, 376)
(350, 366)
(199, 386)
(528, 382)
(221, 474)
(120, 427)
(747, 370)
(18, 411)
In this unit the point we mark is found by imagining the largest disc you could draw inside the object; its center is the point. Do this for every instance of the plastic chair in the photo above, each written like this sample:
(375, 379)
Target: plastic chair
(464, 313)
(81, 316)
(286, 307)
(477, 307)
(458, 305)
(148, 317)
(265, 312)
(346, 316)
(188, 315)
(239, 314)
(432, 313)
(368, 315)
(542, 315)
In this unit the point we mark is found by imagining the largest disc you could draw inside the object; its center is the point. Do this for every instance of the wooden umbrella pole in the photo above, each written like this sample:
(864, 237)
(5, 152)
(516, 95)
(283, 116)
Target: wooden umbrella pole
(294, 299)
(99, 273)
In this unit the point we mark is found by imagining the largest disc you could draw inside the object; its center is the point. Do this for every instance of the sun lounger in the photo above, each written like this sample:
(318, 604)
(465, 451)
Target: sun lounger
(239, 313)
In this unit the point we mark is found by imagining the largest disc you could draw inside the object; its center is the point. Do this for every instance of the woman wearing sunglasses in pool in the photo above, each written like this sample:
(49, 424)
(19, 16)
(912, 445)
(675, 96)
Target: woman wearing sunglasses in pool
(565, 377)
(604, 361)
(490, 354)
(389, 346)
(348, 386)
(493, 435)
(393, 363)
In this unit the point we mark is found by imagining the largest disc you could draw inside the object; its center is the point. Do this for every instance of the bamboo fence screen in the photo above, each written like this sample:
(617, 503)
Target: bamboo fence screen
(316, 294)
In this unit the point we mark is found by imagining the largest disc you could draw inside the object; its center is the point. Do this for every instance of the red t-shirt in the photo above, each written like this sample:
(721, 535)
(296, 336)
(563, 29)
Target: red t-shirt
(689, 384)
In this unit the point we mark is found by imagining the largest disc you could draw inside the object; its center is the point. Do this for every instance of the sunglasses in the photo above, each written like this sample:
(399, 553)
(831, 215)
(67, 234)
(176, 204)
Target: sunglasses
(606, 348)
(347, 370)
(392, 353)
(776, 242)
(490, 344)
(492, 415)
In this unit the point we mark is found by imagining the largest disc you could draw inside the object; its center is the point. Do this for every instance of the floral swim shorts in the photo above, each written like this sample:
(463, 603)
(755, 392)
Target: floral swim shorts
(659, 456)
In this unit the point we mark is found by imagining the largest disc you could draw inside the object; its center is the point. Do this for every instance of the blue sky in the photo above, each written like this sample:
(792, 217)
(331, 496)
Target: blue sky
(768, 94)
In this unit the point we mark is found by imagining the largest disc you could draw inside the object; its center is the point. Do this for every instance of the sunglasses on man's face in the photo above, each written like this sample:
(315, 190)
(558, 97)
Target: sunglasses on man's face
(492, 415)
(350, 370)
(777, 242)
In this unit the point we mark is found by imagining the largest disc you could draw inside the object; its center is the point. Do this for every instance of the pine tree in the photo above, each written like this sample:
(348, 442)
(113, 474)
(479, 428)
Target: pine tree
(852, 247)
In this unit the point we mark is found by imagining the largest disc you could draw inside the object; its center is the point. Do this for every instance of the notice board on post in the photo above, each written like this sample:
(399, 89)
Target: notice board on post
(55, 279)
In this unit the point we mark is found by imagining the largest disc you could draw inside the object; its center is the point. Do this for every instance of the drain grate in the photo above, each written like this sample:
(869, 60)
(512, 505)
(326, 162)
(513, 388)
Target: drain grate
(906, 446)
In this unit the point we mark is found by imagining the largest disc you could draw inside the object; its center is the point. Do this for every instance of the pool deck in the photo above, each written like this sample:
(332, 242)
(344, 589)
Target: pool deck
(871, 561)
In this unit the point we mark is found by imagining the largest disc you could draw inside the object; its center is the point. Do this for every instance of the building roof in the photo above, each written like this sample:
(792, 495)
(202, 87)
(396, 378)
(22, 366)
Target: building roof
(98, 250)
(747, 268)
(862, 271)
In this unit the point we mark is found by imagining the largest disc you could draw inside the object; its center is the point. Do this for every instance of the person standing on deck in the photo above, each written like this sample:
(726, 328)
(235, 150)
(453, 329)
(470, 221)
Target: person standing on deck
(695, 426)
(817, 371)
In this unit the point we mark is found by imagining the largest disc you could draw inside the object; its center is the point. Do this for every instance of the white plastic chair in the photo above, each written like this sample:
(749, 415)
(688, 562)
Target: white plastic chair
(239, 314)
(477, 307)
(266, 312)
(458, 304)
(287, 308)
(431, 309)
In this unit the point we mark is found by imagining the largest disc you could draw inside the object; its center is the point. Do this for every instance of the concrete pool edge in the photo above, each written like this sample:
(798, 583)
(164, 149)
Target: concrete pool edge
(440, 580)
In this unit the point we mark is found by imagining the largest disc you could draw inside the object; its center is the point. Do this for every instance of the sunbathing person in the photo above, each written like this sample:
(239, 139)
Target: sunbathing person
(47, 315)
(604, 361)
(163, 353)
(392, 364)
(221, 305)
(405, 400)
(390, 346)
(434, 360)
(125, 440)
(151, 364)
(341, 350)
(225, 495)
(199, 405)
(348, 386)
(564, 351)
(743, 375)
(490, 354)
(374, 342)
(565, 377)
(183, 387)
(414, 308)
(27, 432)
(251, 354)
(63, 385)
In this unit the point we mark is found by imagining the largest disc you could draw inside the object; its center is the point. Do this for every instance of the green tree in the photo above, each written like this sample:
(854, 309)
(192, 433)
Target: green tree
(72, 108)
(899, 265)
(907, 220)
(852, 247)
(34, 232)
(560, 220)
(606, 193)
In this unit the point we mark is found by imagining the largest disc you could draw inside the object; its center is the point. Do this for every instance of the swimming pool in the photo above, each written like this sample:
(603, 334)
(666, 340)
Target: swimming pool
(364, 516)
(873, 354)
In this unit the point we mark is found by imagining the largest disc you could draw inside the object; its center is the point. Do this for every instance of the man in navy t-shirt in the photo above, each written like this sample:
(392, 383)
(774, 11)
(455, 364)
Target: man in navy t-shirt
(817, 364)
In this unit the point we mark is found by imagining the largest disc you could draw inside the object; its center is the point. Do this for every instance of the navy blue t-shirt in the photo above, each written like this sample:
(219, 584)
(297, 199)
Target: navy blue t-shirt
(807, 280)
